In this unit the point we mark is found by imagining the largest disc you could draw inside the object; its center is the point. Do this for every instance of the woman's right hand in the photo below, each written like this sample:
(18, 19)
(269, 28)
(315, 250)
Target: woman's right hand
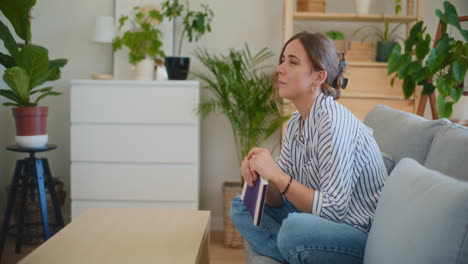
(249, 175)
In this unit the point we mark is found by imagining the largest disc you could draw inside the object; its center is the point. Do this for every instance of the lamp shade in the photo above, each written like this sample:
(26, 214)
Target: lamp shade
(104, 31)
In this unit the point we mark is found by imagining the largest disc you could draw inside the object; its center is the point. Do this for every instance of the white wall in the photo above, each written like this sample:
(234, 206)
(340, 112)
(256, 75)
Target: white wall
(65, 28)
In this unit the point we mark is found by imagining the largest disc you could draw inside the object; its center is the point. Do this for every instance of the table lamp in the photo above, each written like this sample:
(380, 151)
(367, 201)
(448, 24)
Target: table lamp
(104, 33)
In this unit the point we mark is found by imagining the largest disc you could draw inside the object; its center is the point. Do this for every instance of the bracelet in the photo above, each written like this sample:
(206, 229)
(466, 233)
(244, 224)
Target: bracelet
(287, 187)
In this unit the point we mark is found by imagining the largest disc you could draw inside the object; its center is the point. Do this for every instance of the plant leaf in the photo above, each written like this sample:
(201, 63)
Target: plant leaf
(456, 93)
(36, 62)
(42, 90)
(17, 12)
(7, 61)
(444, 108)
(428, 88)
(394, 59)
(10, 94)
(459, 70)
(18, 80)
(8, 40)
(408, 87)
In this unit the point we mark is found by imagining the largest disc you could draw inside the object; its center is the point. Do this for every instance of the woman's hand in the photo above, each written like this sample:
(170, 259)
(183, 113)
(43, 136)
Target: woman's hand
(249, 175)
(261, 162)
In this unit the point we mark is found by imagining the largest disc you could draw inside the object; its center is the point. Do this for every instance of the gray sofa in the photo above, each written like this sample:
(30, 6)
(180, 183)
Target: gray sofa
(422, 215)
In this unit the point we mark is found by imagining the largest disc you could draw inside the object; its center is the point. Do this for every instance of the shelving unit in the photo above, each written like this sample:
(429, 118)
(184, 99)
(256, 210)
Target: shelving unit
(369, 83)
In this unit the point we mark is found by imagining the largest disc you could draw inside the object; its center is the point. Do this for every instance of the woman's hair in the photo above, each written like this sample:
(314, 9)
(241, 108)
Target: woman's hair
(323, 56)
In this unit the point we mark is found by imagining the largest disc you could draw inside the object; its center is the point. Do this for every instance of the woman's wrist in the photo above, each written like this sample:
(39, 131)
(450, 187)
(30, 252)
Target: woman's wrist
(281, 181)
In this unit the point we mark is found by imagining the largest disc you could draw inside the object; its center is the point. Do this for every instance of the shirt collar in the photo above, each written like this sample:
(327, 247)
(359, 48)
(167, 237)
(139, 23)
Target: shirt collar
(310, 121)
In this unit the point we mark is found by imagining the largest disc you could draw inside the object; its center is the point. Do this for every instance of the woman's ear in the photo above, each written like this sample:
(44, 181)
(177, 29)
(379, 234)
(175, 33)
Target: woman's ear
(321, 76)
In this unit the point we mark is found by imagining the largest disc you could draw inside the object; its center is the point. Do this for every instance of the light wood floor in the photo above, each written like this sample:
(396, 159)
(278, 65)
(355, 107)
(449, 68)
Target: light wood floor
(219, 254)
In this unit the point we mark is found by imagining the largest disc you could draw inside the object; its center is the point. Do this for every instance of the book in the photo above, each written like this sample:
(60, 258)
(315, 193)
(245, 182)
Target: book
(254, 199)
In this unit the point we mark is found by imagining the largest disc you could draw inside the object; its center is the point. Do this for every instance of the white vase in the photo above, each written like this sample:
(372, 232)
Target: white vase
(161, 73)
(144, 70)
(362, 6)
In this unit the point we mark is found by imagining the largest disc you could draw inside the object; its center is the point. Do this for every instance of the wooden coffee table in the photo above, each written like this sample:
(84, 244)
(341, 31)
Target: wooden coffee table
(129, 236)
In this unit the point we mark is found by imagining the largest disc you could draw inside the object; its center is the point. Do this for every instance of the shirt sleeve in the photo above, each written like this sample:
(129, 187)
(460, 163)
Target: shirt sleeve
(335, 150)
(284, 159)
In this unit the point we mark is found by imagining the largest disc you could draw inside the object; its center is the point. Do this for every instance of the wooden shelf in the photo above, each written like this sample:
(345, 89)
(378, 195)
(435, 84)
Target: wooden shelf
(353, 17)
(367, 64)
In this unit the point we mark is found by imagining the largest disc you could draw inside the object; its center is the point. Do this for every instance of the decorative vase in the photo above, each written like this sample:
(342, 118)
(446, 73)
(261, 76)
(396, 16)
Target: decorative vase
(177, 67)
(31, 126)
(144, 70)
(362, 6)
(384, 48)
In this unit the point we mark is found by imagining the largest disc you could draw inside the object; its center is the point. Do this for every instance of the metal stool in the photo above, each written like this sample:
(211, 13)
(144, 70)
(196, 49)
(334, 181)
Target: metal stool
(31, 174)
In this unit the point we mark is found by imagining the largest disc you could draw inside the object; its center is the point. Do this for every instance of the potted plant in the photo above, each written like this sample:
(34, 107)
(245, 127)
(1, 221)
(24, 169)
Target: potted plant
(27, 68)
(195, 25)
(386, 39)
(245, 95)
(142, 37)
(443, 67)
(338, 39)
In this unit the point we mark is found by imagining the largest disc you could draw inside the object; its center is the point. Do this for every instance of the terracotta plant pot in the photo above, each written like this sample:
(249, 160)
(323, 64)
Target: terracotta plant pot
(31, 126)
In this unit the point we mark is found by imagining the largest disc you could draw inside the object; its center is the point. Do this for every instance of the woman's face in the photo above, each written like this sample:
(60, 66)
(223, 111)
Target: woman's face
(296, 77)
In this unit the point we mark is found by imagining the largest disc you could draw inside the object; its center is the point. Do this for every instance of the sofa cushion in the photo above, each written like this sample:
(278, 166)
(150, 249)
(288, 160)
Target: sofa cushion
(449, 152)
(402, 134)
(389, 162)
(421, 217)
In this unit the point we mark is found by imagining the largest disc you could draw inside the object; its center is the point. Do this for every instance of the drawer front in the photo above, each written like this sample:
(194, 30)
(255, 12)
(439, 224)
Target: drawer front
(79, 206)
(361, 107)
(136, 143)
(143, 182)
(371, 81)
(127, 104)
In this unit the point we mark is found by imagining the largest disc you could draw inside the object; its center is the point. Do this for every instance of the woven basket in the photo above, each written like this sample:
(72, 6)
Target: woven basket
(32, 213)
(232, 237)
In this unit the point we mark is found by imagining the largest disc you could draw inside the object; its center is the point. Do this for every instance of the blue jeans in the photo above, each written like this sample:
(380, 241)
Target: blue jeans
(288, 235)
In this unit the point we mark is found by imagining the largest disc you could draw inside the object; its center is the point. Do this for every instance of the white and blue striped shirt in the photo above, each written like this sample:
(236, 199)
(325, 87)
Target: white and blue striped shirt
(336, 155)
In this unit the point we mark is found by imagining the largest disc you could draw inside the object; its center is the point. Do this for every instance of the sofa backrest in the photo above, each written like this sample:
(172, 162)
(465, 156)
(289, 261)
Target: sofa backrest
(402, 134)
(449, 152)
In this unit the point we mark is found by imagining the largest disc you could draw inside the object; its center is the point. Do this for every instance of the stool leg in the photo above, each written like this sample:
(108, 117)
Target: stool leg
(53, 194)
(24, 182)
(10, 204)
(42, 198)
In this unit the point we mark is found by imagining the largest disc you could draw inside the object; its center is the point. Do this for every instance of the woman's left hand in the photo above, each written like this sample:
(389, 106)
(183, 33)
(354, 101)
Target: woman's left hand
(262, 162)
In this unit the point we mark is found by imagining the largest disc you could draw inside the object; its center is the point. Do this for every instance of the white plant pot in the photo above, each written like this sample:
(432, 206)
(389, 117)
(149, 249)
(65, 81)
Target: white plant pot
(32, 141)
(362, 6)
(144, 70)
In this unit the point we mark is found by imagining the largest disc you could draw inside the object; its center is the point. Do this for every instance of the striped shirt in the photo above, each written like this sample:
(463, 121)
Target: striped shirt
(335, 155)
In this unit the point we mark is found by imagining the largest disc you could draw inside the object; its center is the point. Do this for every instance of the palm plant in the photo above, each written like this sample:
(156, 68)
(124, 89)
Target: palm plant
(242, 92)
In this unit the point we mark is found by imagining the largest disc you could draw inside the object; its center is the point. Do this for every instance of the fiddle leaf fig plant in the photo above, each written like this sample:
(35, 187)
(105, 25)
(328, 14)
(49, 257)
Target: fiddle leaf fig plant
(27, 66)
(442, 67)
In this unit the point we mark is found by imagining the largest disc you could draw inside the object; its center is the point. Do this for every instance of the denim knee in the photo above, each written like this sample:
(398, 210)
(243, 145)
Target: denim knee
(238, 210)
(291, 233)
(306, 238)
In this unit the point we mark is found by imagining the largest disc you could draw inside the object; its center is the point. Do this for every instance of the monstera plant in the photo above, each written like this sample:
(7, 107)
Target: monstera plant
(27, 68)
(443, 67)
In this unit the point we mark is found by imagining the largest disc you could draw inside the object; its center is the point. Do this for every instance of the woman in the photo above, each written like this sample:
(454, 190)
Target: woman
(324, 187)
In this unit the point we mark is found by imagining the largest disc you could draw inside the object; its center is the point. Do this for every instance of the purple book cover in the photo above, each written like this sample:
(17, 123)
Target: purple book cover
(254, 199)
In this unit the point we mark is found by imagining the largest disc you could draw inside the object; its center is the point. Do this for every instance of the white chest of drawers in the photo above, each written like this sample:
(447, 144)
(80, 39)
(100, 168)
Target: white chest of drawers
(134, 144)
